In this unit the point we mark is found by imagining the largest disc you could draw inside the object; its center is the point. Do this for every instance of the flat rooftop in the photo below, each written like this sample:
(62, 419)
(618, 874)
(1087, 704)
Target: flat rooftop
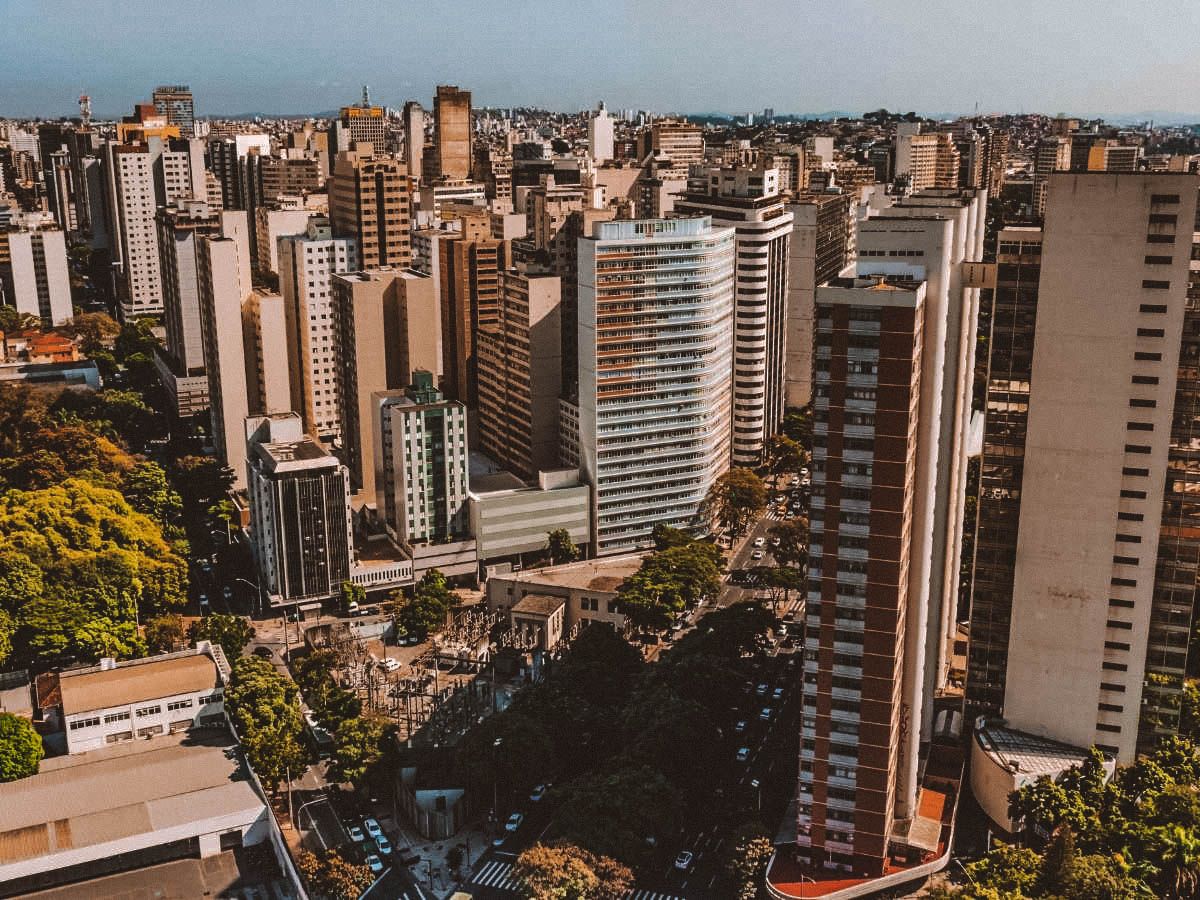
(604, 574)
(147, 679)
(122, 791)
(1026, 753)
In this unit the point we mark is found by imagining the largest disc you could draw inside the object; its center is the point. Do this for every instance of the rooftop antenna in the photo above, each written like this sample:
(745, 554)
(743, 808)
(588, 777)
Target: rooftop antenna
(85, 110)
(366, 97)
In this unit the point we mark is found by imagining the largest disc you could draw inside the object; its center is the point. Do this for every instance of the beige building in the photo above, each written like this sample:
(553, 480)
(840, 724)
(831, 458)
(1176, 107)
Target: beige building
(520, 372)
(387, 324)
(452, 132)
(272, 224)
(264, 329)
(676, 140)
(370, 201)
(927, 160)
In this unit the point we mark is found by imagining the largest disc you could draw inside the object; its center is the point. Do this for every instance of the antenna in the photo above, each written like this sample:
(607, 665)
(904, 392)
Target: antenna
(85, 109)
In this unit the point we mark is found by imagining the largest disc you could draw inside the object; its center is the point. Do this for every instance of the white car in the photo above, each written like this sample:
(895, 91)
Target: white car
(757, 554)
(384, 845)
(373, 828)
(375, 863)
(514, 821)
(538, 793)
(683, 861)
(743, 754)
(356, 833)
(760, 542)
(390, 664)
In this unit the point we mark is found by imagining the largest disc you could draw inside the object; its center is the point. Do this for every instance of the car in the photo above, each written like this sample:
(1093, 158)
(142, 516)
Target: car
(766, 714)
(538, 792)
(757, 554)
(498, 840)
(227, 592)
(763, 689)
(204, 604)
(372, 827)
(775, 542)
(514, 821)
(352, 608)
(375, 863)
(740, 727)
(778, 693)
(760, 542)
(789, 616)
(384, 845)
(390, 664)
(743, 754)
(683, 861)
(356, 833)
(263, 652)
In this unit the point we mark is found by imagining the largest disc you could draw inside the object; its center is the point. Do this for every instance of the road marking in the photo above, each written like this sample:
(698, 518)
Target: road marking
(495, 875)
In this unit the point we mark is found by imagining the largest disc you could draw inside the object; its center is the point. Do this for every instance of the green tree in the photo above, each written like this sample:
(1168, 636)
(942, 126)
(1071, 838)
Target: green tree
(94, 331)
(164, 632)
(20, 748)
(797, 425)
(562, 549)
(146, 488)
(350, 596)
(554, 873)
(781, 454)
(734, 500)
(230, 633)
(665, 537)
(11, 320)
(746, 863)
(331, 876)
(265, 708)
(1009, 869)
(792, 535)
(1177, 851)
(360, 744)
(426, 610)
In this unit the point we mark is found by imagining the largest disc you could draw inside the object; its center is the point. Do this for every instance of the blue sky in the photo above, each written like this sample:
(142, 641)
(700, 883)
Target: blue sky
(665, 55)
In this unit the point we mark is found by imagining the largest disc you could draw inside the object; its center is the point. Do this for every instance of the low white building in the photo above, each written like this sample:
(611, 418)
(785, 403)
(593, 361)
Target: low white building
(509, 517)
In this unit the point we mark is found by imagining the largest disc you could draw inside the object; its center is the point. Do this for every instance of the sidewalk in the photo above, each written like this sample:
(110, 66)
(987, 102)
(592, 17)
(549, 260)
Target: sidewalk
(433, 854)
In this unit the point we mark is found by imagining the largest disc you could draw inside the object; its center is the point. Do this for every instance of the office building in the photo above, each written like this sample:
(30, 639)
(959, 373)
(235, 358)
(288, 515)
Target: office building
(747, 199)
(132, 202)
(452, 133)
(370, 202)
(1085, 605)
(520, 373)
(299, 510)
(362, 123)
(414, 139)
(675, 142)
(34, 278)
(174, 103)
(655, 329)
(818, 250)
(387, 326)
(511, 517)
(307, 264)
(600, 134)
(264, 330)
(864, 644)
(421, 463)
(179, 171)
(1053, 154)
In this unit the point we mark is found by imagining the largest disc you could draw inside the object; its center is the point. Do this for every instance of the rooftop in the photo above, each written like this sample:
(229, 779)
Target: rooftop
(1026, 753)
(590, 575)
(132, 682)
(538, 605)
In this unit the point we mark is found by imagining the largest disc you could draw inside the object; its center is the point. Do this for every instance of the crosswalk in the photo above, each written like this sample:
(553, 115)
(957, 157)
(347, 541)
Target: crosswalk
(498, 876)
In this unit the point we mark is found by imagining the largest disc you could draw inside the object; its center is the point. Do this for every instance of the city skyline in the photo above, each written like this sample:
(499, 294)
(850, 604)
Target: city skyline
(869, 55)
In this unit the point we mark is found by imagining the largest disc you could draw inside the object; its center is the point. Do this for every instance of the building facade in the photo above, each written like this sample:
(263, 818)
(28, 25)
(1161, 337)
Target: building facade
(370, 202)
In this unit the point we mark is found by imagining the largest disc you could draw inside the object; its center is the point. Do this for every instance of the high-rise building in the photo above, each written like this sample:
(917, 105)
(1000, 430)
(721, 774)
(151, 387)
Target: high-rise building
(1053, 155)
(927, 160)
(1087, 605)
(307, 264)
(520, 373)
(816, 253)
(414, 138)
(362, 123)
(132, 202)
(600, 134)
(264, 332)
(674, 140)
(655, 372)
(865, 613)
(748, 200)
(370, 202)
(387, 325)
(181, 359)
(270, 225)
(174, 103)
(452, 133)
(300, 510)
(421, 463)
(34, 277)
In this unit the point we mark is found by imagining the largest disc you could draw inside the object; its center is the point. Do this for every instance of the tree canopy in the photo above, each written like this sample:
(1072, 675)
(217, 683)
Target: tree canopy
(669, 581)
(230, 633)
(734, 500)
(20, 748)
(563, 871)
(265, 707)
(560, 546)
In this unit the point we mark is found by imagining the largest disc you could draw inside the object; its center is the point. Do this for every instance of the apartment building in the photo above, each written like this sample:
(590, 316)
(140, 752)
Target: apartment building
(927, 160)
(132, 203)
(370, 202)
(34, 277)
(655, 372)
(270, 225)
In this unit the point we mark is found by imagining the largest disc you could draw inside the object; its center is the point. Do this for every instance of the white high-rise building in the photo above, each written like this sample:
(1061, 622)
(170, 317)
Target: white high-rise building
(132, 203)
(307, 264)
(656, 305)
(600, 134)
(748, 200)
(35, 279)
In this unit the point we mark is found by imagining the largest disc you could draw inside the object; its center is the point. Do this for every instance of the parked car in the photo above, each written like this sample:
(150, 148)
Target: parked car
(683, 861)
(390, 664)
(384, 845)
(538, 792)
(263, 652)
(355, 832)
(227, 592)
(204, 607)
(375, 863)
(766, 714)
(514, 821)
(499, 839)
(760, 542)
(740, 727)
(373, 828)
(763, 689)
(757, 554)
(778, 693)
(743, 754)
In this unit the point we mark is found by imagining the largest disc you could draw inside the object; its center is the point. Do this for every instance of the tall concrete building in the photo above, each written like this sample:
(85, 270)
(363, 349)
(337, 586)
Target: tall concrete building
(299, 510)
(174, 103)
(270, 225)
(34, 277)
(747, 199)
(362, 123)
(816, 253)
(1053, 155)
(387, 326)
(863, 646)
(264, 331)
(307, 264)
(452, 133)
(927, 160)
(655, 372)
(520, 373)
(414, 138)
(676, 140)
(181, 359)
(1096, 583)
(421, 463)
(132, 202)
(370, 202)
(600, 134)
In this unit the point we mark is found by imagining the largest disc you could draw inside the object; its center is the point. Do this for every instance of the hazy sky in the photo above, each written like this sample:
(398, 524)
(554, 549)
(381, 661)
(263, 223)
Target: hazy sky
(289, 56)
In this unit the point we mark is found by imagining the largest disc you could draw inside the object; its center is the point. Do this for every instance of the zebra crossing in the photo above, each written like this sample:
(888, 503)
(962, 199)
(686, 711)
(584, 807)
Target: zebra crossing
(498, 876)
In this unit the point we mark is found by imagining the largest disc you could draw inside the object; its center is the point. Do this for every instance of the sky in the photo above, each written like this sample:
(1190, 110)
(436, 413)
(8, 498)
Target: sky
(300, 56)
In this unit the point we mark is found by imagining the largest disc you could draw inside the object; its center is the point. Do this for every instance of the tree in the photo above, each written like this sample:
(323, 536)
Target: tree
(164, 632)
(747, 860)
(1009, 869)
(1177, 851)
(781, 581)
(781, 454)
(670, 580)
(792, 535)
(734, 500)
(264, 706)
(330, 875)
(797, 425)
(551, 873)
(562, 549)
(11, 320)
(665, 537)
(20, 748)
(93, 331)
(351, 596)
(426, 610)
(360, 744)
(230, 633)
(146, 488)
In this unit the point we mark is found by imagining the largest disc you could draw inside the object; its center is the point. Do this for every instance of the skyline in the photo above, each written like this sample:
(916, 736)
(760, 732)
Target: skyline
(869, 55)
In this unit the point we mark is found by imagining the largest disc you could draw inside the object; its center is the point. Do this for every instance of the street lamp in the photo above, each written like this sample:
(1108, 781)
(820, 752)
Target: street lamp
(754, 783)
(496, 780)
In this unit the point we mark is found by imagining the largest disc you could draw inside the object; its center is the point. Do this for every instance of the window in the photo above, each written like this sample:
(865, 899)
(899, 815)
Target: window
(1125, 561)
(1119, 625)
(90, 722)
(1112, 686)
(1104, 726)
(1144, 379)
(1134, 472)
(1150, 332)
(1136, 448)
(1159, 261)
(1155, 284)
(1163, 198)
(1154, 307)
(1142, 356)
(1114, 667)
(1130, 517)
(179, 704)
(1128, 539)
(211, 698)
(1139, 426)
(1111, 707)
(1160, 239)
(1133, 495)
(116, 717)
(1116, 645)
(1163, 219)
(1123, 582)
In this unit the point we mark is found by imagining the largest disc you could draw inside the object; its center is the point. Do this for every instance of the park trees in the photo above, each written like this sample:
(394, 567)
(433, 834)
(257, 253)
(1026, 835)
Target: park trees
(333, 877)
(670, 580)
(20, 748)
(360, 745)
(747, 859)
(163, 633)
(563, 871)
